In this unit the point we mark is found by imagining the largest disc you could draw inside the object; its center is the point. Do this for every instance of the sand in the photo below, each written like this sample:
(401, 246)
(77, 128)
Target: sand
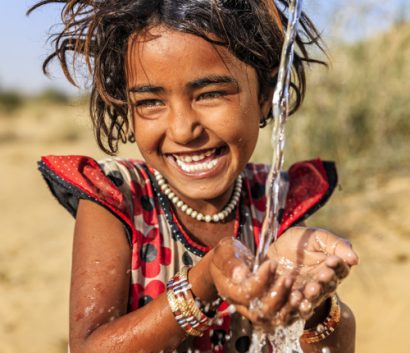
(36, 240)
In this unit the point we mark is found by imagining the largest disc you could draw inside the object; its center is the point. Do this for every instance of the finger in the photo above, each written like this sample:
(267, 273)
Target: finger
(250, 314)
(231, 266)
(312, 291)
(305, 309)
(295, 298)
(343, 249)
(324, 283)
(290, 311)
(338, 265)
(276, 298)
(328, 286)
(236, 267)
(333, 245)
(325, 274)
(231, 291)
(257, 285)
(242, 286)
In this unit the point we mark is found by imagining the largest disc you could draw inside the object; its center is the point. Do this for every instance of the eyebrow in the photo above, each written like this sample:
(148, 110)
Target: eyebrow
(192, 85)
(212, 80)
(146, 89)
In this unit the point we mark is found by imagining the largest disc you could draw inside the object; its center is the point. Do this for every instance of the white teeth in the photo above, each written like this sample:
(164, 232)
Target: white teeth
(194, 157)
(197, 166)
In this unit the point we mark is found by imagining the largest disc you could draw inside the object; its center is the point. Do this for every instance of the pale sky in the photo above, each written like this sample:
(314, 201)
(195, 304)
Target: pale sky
(23, 39)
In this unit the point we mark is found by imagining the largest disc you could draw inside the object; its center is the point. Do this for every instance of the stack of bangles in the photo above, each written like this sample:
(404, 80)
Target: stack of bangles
(327, 327)
(184, 307)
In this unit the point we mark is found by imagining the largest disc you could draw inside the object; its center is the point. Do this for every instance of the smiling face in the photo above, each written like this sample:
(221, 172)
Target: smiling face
(196, 112)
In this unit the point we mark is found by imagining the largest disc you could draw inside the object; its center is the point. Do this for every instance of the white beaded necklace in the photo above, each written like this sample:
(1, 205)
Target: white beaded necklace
(218, 217)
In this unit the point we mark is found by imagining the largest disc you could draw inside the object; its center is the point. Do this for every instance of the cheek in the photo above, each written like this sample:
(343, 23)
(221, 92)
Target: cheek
(242, 134)
(147, 137)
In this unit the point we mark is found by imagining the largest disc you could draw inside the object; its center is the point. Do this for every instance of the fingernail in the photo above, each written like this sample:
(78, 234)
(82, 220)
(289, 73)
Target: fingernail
(288, 282)
(352, 258)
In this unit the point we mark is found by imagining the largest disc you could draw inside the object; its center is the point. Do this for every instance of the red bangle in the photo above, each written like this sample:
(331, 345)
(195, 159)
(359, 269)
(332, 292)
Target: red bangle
(327, 327)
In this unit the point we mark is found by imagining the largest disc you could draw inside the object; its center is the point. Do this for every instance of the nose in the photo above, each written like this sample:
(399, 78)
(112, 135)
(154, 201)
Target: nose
(184, 126)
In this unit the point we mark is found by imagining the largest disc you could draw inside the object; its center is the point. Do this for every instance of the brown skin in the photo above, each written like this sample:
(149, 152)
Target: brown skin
(99, 295)
(184, 116)
(179, 117)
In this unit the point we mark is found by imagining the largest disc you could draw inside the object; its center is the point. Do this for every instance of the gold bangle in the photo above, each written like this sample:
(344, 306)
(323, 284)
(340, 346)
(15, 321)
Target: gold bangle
(327, 327)
(181, 314)
(172, 301)
(182, 303)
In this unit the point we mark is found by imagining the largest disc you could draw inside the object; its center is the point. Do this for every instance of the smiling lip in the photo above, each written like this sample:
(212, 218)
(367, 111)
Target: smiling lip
(198, 164)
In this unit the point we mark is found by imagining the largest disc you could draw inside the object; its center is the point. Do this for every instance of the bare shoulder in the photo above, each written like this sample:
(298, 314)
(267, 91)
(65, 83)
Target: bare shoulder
(98, 233)
(100, 270)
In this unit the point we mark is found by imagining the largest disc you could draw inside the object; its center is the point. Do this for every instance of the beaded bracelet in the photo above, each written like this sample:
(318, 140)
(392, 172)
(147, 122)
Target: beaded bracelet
(327, 327)
(182, 303)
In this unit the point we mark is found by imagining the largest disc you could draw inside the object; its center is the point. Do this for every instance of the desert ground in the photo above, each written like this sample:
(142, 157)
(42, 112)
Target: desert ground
(36, 235)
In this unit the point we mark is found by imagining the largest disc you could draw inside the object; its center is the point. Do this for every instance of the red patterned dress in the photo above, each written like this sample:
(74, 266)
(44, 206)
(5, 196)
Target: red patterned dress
(159, 243)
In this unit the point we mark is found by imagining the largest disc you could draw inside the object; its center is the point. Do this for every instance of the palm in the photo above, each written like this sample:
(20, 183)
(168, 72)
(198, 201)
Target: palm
(313, 256)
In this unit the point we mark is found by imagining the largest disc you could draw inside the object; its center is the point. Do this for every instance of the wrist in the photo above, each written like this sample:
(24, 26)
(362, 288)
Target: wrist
(201, 282)
(319, 314)
(325, 328)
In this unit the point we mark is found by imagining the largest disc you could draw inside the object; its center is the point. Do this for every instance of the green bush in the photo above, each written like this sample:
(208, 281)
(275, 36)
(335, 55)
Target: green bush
(53, 95)
(10, 101)
(357, 112)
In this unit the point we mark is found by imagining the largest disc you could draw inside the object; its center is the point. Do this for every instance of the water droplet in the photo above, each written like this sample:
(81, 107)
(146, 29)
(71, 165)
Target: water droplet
(346, 315)
(231, 309)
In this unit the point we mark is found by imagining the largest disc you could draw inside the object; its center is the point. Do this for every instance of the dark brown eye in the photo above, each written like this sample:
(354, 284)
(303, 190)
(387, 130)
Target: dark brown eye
(148, 103)
(211, 95)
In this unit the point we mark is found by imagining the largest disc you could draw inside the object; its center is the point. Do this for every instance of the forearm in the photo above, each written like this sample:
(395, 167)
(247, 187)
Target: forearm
(342, 340)
(151, 328)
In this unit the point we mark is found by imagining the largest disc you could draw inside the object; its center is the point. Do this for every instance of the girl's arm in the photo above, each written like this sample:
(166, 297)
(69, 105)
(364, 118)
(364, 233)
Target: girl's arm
(99, 321)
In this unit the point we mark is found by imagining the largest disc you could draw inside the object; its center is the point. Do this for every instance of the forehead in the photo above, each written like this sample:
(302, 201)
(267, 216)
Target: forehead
(163, 54)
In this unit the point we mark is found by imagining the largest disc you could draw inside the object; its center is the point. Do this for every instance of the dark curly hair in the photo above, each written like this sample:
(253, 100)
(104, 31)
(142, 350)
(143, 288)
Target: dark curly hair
(98, 30)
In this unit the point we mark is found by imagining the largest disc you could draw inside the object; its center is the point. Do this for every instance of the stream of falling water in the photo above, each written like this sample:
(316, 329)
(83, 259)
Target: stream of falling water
(284, 339)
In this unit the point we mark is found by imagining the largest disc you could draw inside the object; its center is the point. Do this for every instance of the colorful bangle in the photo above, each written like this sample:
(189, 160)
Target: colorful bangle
(182, 303)
(182, 316)
(327, 327)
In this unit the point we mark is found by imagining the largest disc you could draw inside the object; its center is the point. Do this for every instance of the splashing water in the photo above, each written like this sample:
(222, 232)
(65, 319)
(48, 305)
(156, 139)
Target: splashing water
(284, 339)
(280, 106)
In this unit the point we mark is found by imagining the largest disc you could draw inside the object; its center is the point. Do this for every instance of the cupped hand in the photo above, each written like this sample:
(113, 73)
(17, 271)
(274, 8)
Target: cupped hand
(317, 259)
(264, 297)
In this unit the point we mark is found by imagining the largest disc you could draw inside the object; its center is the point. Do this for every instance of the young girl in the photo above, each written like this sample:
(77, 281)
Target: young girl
(163, 249)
